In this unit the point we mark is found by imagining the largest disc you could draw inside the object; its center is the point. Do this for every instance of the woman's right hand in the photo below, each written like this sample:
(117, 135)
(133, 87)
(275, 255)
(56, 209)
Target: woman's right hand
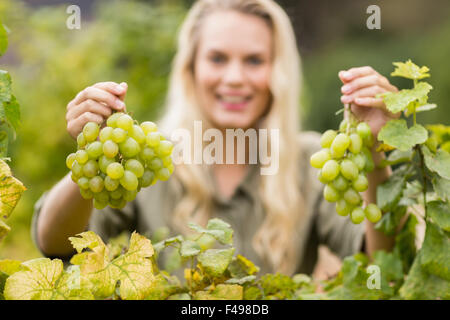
(95, 103)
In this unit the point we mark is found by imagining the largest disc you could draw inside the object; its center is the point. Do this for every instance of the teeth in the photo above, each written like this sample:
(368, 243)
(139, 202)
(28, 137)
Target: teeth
(233, 99)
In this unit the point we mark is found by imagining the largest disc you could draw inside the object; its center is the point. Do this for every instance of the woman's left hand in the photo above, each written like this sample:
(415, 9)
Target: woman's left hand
(361, 86)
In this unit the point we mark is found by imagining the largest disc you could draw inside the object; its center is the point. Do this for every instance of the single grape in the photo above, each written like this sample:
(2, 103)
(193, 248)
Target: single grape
(112, 120)
(115, 171)
(340, 183)
(110, 149)
(372, 212)
(148, 127)
(153, 139)
(94, 150)
(321, 178)
(327, 138)
(163, 174)
(368, 141)
(99, 205)
(73, 177)
(361, 183)
(125, 122)
(90, 169)
(118, 203)
(165, 148)
(359, 160)
(147, 178)
(343, 208)
(129, 148)
(86, 194)
(156, 164)
(111, 184)
(343, 125)
(129, 181)
(104, 162)
(355, 143)
(135, 166)
(118, 135)
(77, 169)
(330, 194)
(352, 197)
(171, 168)
(117, 194)
(70, 159)
(340, 143)
(319, 158)
(83, 183)
(137, 134)
(167, 161)
(363, 130)
(81, 140)
(130, 195)
(81, 156)
(96, 184)
(90, 131)
(102, 196)
(369, 161)
(106, 134)
(337, 154)
(349, 170)
(330, 170)
(147, 153)
(357, 215)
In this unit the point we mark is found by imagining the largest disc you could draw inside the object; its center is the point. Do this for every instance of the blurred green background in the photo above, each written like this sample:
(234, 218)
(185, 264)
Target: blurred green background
(134, 41)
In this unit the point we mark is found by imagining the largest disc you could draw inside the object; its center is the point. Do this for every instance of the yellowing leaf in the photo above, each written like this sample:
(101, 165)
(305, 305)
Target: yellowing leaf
(215, 261)
(11, 190)
(86, 240)
(4, 229)
(221, 292)
(410, 70)
(42, 279)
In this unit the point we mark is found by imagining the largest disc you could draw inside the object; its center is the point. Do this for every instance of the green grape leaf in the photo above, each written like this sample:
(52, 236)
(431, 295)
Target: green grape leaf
(389, 192)
(390, 220)
(189, 248)
(241, 281)
(407, 98)
(5, 91)
(4, 230)
(12, 113)
(217, 224)
(410, 70)
(442, 187)
(439, 212)
(391, 268)
(215, 261)
(241, 267)
(435, 257)
(100, 275)
(278, 286)
(420, 285)
(439, 163)
(396, 134)
(7, 268)
(165, 243)
(422, 108)
(411, 193)
(221, 292)
(3, 39)
(11, 190)
(219, 234)
(396, 157)
(440, 131)
(43, 279)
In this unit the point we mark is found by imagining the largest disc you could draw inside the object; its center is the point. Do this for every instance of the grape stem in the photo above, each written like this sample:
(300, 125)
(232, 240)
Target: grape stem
(424, 177)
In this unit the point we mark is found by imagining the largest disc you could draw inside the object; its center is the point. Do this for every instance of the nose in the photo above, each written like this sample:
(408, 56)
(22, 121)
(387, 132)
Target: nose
(234, 74)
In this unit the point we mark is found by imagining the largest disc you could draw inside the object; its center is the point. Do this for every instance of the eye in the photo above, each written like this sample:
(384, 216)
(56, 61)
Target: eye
(255, 60)
(217, 58)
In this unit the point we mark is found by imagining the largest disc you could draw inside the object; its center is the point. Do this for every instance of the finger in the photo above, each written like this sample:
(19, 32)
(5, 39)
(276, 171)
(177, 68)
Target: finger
(363, 82)
(112, 87)
(122, 96)
(369, 92)
(100, 95)
(350, 74)
(370, 102)
(89, 106)
(75, 126)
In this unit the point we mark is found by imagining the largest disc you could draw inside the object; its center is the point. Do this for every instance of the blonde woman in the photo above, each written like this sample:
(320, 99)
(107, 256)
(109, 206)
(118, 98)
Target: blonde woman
(237, 66)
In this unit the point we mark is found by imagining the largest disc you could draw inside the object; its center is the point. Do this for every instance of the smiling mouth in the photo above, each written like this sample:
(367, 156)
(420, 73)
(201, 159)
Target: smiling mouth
(233, 102)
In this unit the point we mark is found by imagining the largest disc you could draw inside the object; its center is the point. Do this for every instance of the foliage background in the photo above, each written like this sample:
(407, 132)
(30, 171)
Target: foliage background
(134, 41)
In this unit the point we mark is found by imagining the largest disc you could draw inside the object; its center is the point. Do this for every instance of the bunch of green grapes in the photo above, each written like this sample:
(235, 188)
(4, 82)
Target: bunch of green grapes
(111, 165)
(344, 162)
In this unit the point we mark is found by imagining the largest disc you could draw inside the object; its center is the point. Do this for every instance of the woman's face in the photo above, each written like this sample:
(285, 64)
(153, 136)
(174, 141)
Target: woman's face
(232, 69)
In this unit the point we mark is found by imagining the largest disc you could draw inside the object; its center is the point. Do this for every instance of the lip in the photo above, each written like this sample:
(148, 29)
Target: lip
(242, 100)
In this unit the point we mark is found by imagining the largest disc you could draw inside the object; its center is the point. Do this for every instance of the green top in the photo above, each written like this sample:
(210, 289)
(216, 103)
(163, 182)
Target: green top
(153, 206)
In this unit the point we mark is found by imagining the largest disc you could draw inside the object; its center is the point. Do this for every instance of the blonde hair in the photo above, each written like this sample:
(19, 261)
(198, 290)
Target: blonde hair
(274, 241)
